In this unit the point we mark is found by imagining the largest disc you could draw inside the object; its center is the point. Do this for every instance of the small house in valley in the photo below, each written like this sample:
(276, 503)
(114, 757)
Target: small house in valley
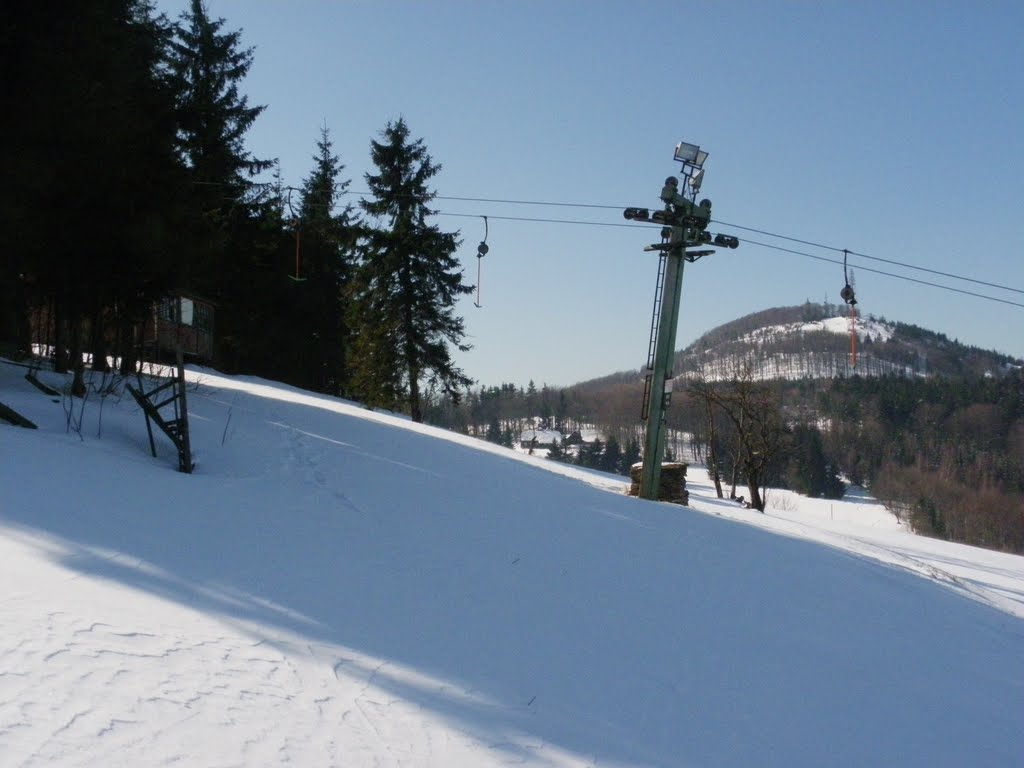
(539, 438)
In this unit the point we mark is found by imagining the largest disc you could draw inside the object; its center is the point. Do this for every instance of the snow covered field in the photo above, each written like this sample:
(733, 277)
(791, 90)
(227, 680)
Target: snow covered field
(336, 587)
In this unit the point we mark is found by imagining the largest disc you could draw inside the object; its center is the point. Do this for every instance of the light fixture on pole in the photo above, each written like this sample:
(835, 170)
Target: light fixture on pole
(690, 154)
(692, 157)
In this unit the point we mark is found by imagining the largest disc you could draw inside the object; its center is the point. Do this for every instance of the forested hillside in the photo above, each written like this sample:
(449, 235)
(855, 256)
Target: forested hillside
(130, 197)
(938, 432)
(946, 453)
(822, 341)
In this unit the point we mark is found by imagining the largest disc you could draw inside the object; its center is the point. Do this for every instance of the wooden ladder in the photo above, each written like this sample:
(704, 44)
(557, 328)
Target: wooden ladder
(175, 423)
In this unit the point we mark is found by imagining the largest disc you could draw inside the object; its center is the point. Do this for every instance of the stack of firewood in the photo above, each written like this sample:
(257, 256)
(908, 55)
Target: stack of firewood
(672, 486)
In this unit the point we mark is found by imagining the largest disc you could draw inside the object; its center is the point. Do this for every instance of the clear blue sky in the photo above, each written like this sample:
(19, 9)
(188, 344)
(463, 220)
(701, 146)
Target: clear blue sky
(890, 129)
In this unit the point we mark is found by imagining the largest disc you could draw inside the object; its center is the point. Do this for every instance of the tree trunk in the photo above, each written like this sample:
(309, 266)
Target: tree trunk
(14, 325)
(125, 348)
(756, 501)
(78, 383)
(60, 335)
(713, 449)
(738, 457)
(411, 341)
(415, 408)
(98, 342)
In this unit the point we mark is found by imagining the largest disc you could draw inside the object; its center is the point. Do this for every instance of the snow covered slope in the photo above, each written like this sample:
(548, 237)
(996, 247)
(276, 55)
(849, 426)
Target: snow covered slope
(869, 327)
(822, 341)
(339, 587)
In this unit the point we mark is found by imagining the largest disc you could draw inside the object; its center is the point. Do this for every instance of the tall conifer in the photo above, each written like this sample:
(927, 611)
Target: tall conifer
(410, 280)
(207, 65)
(96, 198)
(328, 235)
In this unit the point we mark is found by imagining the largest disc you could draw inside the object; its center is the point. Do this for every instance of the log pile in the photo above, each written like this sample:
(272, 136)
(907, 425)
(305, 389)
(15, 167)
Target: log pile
(672, 486)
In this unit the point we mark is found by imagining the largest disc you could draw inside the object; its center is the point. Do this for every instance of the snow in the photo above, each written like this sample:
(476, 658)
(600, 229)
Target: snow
(542, 436)
(763, 364)
(337, 586)
(866, 326)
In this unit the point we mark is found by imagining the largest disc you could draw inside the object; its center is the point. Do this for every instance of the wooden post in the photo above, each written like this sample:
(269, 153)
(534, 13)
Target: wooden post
(184, 444)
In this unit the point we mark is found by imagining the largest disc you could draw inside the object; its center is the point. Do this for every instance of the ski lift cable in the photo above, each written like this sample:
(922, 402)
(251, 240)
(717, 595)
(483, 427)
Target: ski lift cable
(550, 203)
(887, 274)
(858, 254)
(764, 245)
(813, 244)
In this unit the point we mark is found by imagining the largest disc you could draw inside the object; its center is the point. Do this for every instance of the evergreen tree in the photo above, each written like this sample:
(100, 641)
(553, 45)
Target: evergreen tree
(409, 279)
(630, 456)
(590, 454)
(508, 437)
(546, 411)
(96, 201)
(493, 434)
(375, 372)
(556, 452)
(325, 257)
(611, 460)
(206, 66)
(561, 411)
(809, 470)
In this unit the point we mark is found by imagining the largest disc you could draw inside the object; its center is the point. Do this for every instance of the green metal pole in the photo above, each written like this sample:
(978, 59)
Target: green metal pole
(654, 446)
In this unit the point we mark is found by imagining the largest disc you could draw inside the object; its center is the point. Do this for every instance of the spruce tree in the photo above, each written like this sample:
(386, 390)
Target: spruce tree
(556, 452)
(493, 434)
(325, 257)
(409, 281)
(590, 454)
(611, 460)
(630, 456)
(97, 198)
(207, 65)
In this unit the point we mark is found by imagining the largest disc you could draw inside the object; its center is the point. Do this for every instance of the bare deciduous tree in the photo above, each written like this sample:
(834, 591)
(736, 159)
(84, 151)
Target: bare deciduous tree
(755, 413)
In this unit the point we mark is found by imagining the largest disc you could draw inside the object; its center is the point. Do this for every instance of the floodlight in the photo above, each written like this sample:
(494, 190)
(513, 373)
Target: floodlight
(696, 180)
(687, 153)
(701, 157)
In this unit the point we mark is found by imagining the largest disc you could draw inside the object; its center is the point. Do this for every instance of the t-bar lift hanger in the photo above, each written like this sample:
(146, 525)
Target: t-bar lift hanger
(481, 251)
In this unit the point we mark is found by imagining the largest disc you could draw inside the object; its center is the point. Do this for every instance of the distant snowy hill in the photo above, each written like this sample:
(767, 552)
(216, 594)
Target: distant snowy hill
(814, 341)
(340, 587)
(869, 329)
